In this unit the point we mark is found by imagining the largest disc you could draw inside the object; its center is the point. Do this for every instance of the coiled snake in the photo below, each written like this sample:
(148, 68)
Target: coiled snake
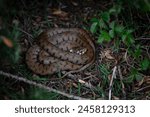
(61, 49)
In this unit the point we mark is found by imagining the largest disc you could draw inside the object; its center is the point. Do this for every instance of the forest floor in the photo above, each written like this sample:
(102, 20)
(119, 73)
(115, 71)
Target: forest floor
(120, 71)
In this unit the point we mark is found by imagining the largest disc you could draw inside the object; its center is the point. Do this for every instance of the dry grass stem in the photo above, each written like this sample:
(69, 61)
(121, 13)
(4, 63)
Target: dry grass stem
(8, 75)
(111, 81)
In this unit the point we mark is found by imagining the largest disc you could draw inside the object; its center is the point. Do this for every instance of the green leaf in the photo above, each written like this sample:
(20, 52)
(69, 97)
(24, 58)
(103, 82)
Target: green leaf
(105, 35)
(100, 39)
(115, 9)
(130, 39)
(119, 29)
(105, 16)
(143, 5)
(94, 20)
(135, 75)
(137, 51)
(102, 24)
(145, 64)
(124, 37)
(127, 37)
(93, 28)
(111, 33)
(112, 25)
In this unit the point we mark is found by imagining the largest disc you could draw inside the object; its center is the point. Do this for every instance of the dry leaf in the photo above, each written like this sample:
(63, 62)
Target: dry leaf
(109, 77)
(38, 19)
(147, 79)
(115, 98)
(15, 22)
(74, 3)
(89, 85)
(108, 54)
(75, 85)
(7, 41)
(141, 82)
(68, 85)
(81, 81)
(60, 13)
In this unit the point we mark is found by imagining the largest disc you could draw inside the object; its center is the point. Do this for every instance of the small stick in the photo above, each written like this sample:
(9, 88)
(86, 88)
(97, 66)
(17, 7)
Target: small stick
(111, 81)
(8, 75)
(25, 32)
(121, 78)
(141, 89)
(143, 38)
(126, 59)
(86, 84)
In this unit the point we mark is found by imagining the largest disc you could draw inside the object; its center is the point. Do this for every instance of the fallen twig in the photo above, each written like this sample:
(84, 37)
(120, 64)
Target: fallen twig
(143, 38)
(121, 78)
(111, 81)
(125, 56)
(77, 78)
(141, 89)
(25, 32)
(86, 84)
(40, 85)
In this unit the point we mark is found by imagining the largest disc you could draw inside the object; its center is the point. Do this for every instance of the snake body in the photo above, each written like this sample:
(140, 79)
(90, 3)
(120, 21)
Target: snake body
(61, 49)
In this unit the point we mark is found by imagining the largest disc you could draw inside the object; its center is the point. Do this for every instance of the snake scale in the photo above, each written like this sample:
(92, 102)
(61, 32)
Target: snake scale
(61, 49)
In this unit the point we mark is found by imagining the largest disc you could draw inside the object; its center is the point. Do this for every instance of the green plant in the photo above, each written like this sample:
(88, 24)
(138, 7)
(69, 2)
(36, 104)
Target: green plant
(105, 72)
(134, 75)
(108, 29)
(145, 64)
(143, 5)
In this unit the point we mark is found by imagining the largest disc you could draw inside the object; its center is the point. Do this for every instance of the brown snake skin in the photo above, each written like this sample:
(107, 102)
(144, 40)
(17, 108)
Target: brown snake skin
(61, 49)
